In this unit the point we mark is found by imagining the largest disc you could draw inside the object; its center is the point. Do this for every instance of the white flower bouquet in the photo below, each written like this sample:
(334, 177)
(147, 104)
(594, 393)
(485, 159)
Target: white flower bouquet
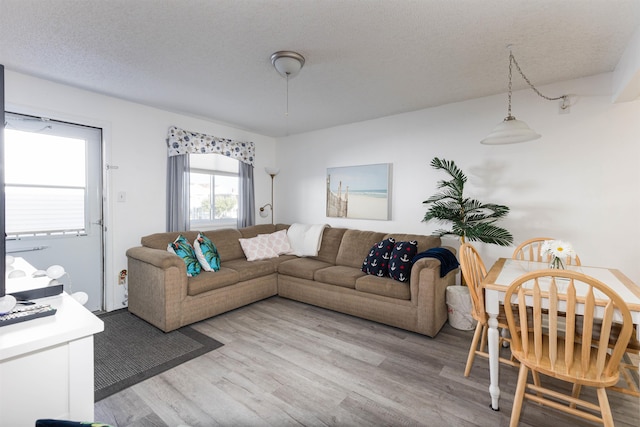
(558, 252)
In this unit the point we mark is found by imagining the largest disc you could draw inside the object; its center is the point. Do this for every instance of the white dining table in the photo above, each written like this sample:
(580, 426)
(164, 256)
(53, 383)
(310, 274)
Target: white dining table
(506, 270)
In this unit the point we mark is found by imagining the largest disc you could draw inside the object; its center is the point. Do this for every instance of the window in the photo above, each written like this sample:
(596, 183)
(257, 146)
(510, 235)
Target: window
(45, 184)
(213, 192)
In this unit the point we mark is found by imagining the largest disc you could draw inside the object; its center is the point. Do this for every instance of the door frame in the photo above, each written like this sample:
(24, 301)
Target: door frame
(108, 276)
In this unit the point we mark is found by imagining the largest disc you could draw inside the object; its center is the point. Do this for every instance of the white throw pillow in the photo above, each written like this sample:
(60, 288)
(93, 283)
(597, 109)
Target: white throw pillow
(257, 248)
(279, 242)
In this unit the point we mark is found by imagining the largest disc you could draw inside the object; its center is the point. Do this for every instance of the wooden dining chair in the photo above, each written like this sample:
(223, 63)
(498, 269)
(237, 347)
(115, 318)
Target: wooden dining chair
(474, 272)
(559, 352)
(628, 369)
(531, 250)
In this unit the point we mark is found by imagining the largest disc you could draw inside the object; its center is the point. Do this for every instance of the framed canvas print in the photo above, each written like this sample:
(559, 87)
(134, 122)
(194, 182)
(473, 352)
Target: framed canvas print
(359, 192)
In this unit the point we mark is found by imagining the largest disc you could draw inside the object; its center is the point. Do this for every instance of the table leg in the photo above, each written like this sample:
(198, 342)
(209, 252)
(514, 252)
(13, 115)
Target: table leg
(494, 363)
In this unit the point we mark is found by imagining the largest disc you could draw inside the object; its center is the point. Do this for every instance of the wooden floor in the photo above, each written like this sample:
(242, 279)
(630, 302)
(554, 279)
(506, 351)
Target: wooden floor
(286, 363)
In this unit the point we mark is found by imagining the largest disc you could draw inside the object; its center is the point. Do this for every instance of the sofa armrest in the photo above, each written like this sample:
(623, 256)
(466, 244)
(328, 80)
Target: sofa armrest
(429, 290)
(157, 286)
(157, 258)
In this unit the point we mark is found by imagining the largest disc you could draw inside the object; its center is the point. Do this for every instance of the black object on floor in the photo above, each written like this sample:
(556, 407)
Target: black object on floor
(130, 350)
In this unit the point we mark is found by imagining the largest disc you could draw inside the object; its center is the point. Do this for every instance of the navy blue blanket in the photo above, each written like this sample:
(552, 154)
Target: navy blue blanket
(448, 260)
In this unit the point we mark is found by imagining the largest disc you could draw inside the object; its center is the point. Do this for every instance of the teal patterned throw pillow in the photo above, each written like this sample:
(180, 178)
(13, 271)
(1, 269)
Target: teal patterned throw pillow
(207, 253)
(184, 250)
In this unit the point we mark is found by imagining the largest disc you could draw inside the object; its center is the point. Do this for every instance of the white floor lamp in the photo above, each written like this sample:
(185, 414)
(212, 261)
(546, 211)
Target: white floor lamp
(263, 213)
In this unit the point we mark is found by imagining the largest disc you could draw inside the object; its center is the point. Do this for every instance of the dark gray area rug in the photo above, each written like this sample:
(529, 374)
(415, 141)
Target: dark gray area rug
(130, 350)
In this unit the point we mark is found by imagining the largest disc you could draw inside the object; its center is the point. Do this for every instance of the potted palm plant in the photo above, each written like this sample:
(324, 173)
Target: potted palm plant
(469, 219)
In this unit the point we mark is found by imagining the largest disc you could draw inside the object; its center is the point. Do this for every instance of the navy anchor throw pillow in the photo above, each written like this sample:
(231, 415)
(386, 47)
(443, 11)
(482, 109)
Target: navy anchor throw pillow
(377, 262)
(401, 260)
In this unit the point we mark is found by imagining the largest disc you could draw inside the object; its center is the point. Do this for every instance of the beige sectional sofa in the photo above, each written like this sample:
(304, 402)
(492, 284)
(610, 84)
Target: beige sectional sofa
(161, 293)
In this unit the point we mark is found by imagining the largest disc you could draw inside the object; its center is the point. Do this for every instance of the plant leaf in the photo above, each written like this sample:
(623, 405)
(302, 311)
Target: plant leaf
(469, 218)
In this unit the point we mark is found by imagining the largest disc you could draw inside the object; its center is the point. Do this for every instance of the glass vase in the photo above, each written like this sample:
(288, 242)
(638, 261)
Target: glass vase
(556, 263)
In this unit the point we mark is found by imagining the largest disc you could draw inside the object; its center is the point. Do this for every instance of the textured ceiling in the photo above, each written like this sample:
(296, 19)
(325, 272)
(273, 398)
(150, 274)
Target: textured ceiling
(365, 59)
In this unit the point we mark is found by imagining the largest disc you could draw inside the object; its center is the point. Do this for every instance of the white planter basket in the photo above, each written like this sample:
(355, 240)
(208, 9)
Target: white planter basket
(459, 308)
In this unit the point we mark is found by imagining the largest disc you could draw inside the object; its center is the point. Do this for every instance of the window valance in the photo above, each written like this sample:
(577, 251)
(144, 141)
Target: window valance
(180, 142)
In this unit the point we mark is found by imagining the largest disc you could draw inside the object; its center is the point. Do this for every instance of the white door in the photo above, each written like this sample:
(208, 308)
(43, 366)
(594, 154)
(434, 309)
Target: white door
(53, 184)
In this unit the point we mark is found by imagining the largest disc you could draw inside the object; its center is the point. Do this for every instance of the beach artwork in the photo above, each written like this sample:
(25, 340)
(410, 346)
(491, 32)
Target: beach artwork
(359, 192)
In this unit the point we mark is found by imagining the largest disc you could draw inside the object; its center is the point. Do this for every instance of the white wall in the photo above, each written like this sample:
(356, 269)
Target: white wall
(134, 137)
(579, 182)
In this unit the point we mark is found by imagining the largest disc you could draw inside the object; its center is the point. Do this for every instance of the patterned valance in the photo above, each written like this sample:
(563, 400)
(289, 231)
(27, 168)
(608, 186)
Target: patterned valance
(180, 142)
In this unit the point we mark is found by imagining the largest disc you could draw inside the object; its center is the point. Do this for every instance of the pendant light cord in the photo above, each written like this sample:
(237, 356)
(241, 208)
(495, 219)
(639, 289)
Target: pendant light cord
(286, 113)
(512, 61)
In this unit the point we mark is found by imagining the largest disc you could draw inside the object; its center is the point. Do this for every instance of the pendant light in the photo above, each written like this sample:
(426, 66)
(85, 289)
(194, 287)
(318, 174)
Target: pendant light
(512, 130)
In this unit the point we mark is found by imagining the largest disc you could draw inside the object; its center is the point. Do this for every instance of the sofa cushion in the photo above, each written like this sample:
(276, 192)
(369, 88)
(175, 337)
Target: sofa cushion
(384, 286)
(254, 230)
(206, 253)
(282, 227)
(402, 260)
(355, 247)
(377, 261)
(161, 240)
(184, 250)
(209, 280)
(257, 248)
(280, 259)
(303, 268)
(250, 269)
(331, 239)
(227, 240)
(424, 242)
(338, 275)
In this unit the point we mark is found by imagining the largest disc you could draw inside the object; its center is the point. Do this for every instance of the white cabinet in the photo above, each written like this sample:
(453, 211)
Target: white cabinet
(46, 365)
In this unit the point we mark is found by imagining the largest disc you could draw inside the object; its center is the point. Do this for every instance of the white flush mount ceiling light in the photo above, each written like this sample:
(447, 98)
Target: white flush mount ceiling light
(288, 64)
(512, 130)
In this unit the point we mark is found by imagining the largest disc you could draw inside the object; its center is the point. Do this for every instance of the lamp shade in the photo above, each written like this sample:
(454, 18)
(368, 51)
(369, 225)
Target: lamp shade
(263, 210)
(287, 63)
(510, 131)
(7, 303)
(272, 171)
(55, 271)
(81, 297)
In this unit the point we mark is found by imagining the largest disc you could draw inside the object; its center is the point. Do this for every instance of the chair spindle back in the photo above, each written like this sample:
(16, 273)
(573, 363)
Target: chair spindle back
(558, 351)
(531, 250)
(474, 272)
